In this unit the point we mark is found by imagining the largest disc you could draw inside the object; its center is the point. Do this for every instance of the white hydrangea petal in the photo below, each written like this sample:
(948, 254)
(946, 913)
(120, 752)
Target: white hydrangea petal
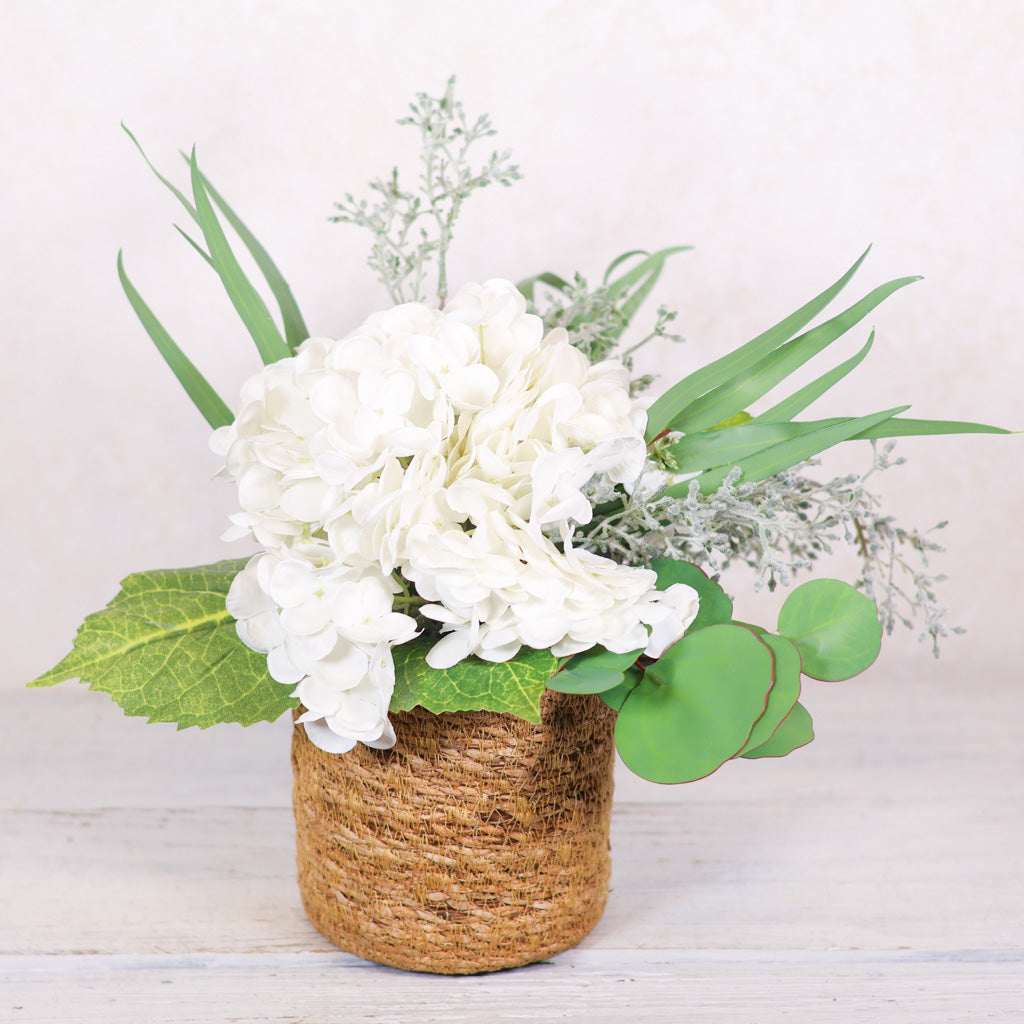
(321, 735)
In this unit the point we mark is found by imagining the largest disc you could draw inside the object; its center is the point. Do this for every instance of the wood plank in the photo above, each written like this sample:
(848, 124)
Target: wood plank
(600, 986)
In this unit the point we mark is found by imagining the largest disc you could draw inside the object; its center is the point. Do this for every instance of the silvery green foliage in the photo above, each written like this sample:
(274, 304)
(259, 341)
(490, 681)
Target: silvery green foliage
(412, 227)
(780, 526)
(595, 322)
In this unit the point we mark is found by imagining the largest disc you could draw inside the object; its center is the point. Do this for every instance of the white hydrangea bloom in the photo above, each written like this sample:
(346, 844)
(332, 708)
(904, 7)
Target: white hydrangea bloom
(441, 449)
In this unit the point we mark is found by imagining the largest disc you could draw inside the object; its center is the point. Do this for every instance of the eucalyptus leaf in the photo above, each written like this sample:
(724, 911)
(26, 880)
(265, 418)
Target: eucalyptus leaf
(784, 693)
(616, 696)
(796, 730)
(834, 627)
(593, 671)
(715, 605)
(166, 648)
(513, 686)
(696, 705)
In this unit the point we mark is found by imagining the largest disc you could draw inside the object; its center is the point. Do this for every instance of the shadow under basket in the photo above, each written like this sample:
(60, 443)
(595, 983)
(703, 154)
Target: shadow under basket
(479, 842)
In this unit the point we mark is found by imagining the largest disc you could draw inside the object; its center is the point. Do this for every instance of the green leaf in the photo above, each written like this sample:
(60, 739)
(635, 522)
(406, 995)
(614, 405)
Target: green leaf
(799, 400)
(678, 397)
(166, 648)
(784, 693)
(758, 378)
(177, 193)
(696, 705)
(528, 285)
(796, 730)
(593, 671)
(205, 399)
(834, 627)
(644, 277)
(715, 605)
(472, 685)
(779, 457)
(295, 328)
(616, 696)
(244, 297)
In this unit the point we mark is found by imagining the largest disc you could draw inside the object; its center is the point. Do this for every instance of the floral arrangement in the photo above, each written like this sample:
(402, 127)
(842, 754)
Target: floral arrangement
(466, 500)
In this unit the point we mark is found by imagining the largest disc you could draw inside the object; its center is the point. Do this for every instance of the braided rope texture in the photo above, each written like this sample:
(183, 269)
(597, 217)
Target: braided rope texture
(479, 842)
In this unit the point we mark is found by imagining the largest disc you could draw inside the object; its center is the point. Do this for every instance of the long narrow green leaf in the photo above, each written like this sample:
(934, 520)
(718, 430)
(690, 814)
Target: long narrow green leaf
(727, 447)
(710, 449)
(528, 285)
(205, 399)
(177, 193)
(652, 264)
(798, 401)
(782, 456)
(295, 328)
(619, 260)
(678, 397)
(195, 245)
(244, 297)
(749, 384)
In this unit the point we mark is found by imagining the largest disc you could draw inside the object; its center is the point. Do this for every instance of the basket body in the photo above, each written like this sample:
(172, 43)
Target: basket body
(479, 842)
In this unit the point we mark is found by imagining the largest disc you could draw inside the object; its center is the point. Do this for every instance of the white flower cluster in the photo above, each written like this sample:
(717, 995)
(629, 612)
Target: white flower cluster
(445, 451)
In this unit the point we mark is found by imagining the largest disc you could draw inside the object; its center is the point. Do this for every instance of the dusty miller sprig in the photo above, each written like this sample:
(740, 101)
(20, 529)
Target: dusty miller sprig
(779, 527)
(399, 255)
(595, 322)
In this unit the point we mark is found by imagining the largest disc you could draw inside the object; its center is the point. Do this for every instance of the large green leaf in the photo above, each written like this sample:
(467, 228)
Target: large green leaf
(796, 730)
(473, 684)
(205, 399)
(784, 693)
(715, 605)
(696, 705)
(835, 628)
(166, 648)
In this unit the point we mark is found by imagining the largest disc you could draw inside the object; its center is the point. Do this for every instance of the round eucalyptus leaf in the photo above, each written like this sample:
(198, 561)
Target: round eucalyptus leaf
(795, 731)
(593, 671)
(696, 705)
(715, 606)
(835, 628)
(784, 693)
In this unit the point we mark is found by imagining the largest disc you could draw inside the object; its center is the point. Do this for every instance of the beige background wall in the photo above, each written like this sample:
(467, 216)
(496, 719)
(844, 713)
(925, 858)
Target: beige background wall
(778, 138)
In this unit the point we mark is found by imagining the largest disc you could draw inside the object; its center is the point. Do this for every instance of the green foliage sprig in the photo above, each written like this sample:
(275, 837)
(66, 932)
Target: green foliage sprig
(400, 255)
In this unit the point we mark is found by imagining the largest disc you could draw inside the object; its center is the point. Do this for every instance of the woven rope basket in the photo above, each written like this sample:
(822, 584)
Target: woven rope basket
(479, 842)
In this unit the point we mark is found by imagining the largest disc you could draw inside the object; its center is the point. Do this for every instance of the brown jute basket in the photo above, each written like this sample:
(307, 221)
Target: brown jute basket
(479, 842)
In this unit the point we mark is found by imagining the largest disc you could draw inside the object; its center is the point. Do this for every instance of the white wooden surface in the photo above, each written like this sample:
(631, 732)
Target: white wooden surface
(875, 876)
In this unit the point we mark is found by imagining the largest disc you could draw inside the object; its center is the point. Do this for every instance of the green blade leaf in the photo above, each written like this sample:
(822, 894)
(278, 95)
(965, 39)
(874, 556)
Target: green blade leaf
(528, 285)
(834, 627)
(678, 397)
(784, 693)
(796, 730)
(696, 705)
(177, 193)
(244, 297)
(166, 648)
(728, 446)
(472, 685)
(757, 379)
(906, 427)
(195, 245)
(593, 671)
(619, 260)
(799, 400)
(781, 456)
(715, 605)
(294, 326)
(205, 399)
(644, 277)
